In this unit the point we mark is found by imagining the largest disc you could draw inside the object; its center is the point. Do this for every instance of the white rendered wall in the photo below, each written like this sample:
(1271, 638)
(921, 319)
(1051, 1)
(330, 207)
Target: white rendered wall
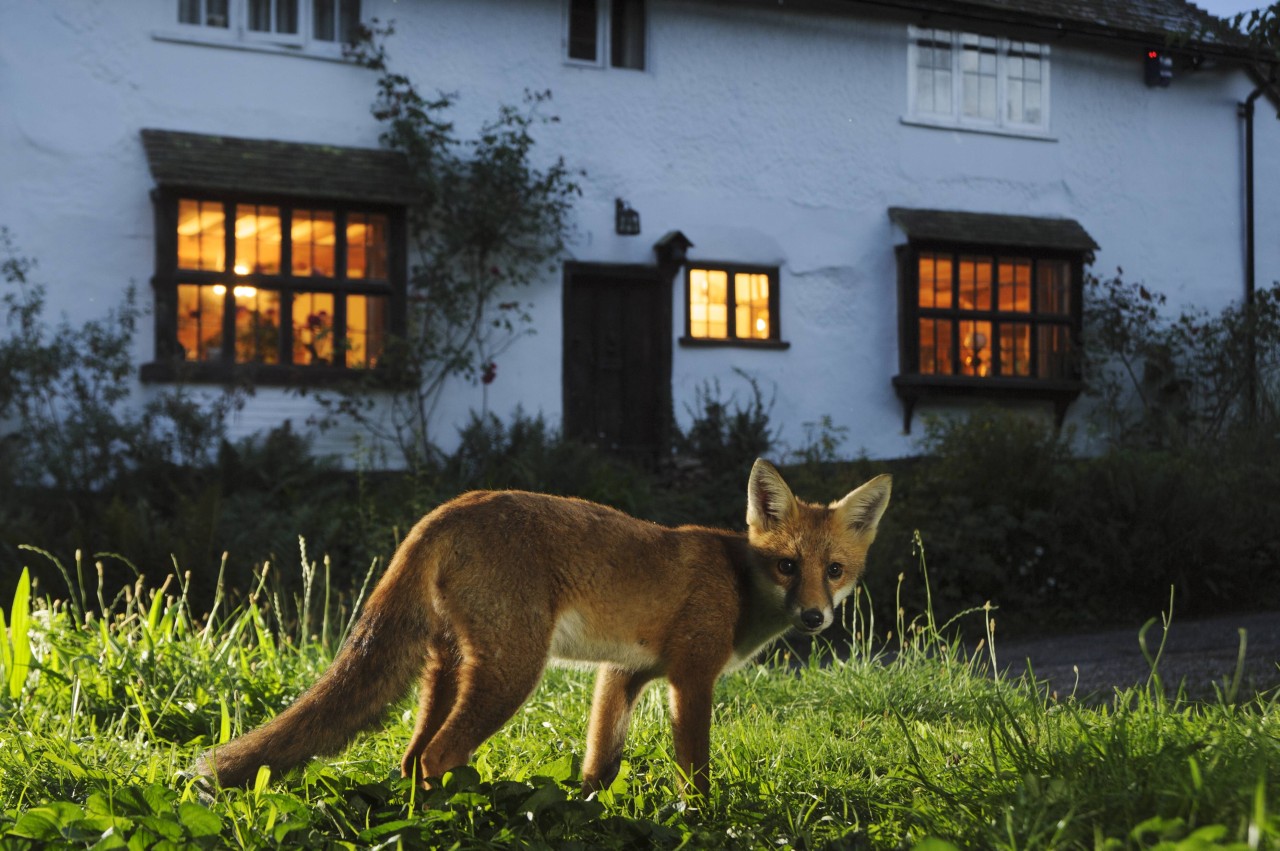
(766, 136)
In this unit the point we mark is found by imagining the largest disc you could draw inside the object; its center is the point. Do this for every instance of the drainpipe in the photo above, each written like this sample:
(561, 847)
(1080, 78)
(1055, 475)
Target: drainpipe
(1245, 110)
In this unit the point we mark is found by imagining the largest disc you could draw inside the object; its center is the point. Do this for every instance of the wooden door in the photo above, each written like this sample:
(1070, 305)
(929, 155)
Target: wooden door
(617, 359)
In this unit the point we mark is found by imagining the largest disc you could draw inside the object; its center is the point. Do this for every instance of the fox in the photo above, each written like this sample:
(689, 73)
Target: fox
(490, 587)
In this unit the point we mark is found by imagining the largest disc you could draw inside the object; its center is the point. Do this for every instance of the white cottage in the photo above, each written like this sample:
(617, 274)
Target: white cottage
(870, 207)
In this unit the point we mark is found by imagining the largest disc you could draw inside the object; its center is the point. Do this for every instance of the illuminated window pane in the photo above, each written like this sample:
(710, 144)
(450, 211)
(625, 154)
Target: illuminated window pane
(1054, 354)
(367, 246)
(202, 235)
(257, 325)
(1015, 349)
(975, 348)
(313, 328)
(314, 238)
(368, 320)
(1015, 285)
(257, 240)
(709, 303)
(975, 283)
(935, 347)
(935, 280)
(751, 306)
(200, 310)
(1053, 287)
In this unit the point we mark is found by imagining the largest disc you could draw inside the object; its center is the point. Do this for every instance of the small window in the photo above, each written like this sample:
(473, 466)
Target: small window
(293, 23)
(606, 32)
(731, 304)
(271, 284)
(978, 81)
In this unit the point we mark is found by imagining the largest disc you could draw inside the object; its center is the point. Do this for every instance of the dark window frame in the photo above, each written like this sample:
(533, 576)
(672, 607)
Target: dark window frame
(773, 341)
(912, 385)
(171, 365)
(613, 32)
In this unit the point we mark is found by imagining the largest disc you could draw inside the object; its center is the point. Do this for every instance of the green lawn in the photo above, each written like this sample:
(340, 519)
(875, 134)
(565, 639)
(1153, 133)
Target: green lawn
(918, 748)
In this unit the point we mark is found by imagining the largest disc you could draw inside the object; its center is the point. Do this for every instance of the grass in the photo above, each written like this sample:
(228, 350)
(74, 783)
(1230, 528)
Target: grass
(105, 704)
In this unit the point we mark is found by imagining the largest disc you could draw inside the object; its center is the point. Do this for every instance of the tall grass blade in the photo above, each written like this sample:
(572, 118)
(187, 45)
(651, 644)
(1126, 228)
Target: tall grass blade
(77, 604)
(19, 655)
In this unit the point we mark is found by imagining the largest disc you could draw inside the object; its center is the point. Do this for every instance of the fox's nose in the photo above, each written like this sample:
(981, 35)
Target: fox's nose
(812, 618)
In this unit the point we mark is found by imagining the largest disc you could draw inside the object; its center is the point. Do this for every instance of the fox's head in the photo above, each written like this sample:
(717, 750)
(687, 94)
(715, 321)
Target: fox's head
(813, 553)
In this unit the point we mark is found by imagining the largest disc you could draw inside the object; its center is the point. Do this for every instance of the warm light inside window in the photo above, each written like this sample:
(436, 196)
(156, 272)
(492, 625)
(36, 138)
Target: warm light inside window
(1015, 285)
(367, 246)
(314, 239)
(257, 325)
(313, 328)
(202, 235)
(708, 303)
(257, 239)
(200, 311)
(368, 320)
(751, 305)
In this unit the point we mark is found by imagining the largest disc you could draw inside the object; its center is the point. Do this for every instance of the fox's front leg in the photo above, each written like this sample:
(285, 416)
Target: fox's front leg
(616, 694)
(691, 698)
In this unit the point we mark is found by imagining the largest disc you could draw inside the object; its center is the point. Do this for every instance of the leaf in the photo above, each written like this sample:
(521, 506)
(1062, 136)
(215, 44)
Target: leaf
(198, 820)
(19, 640)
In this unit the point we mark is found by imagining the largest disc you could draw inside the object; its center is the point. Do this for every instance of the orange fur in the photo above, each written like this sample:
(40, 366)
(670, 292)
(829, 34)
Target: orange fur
(491, 586)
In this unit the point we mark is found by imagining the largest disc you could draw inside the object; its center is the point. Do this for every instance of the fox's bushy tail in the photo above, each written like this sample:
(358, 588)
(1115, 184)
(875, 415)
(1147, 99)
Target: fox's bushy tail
(377, 664)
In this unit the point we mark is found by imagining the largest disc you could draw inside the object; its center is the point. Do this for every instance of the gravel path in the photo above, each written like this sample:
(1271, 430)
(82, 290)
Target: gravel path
(1199, 653)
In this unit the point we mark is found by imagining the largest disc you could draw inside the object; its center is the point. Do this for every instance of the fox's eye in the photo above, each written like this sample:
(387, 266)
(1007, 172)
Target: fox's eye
(835, 570)
(787, 567)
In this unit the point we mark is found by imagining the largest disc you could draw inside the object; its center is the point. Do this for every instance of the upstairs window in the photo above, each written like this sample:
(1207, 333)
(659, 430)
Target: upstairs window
(606, 33)
(296, 23)
(979, 82)
(731, 305)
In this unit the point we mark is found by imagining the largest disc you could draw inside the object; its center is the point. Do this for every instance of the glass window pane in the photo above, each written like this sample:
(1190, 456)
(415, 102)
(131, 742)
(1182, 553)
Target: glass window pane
(189, 12)
(626, 39)
(935, 280)
(257, 325)
(200, 311)
(1015, 349)
(975, 348)
(583, 30)
(935, 347)
(348, 20)
(975, 283)
(1053, 290)
(368, 320)
(324, 23)
(1015, 285)
(699, 296)
(257, 240)
(367, 246)
(202, 235)
(216, 14)
(313, 328)
(259, 16)
(287, 16)
(1054, 356)
(751, 303)
(314, 238)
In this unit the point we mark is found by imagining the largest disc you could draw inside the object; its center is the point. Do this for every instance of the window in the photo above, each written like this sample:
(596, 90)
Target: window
(989, 306)
(731, 305)
(606, 32)
(296, 285)
(977, 81)
(293, 23)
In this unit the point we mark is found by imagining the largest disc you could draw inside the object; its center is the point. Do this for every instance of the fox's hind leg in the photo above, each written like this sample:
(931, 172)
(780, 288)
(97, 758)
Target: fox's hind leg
(439, 692)
(491, 686)
(616, 694)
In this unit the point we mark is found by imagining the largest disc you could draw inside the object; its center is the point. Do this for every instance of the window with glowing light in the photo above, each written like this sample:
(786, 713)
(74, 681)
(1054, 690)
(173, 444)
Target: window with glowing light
(278, 285)
(731, 304)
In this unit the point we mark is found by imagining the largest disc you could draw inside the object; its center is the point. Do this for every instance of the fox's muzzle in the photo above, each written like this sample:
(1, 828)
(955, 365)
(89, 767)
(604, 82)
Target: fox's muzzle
(812, 621)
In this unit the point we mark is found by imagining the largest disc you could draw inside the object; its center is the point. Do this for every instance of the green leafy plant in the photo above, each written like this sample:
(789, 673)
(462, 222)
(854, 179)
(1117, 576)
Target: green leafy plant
(487, 219)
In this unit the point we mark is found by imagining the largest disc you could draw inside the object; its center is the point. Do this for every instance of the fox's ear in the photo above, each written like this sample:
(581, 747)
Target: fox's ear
(769, 500)
(860, 510)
